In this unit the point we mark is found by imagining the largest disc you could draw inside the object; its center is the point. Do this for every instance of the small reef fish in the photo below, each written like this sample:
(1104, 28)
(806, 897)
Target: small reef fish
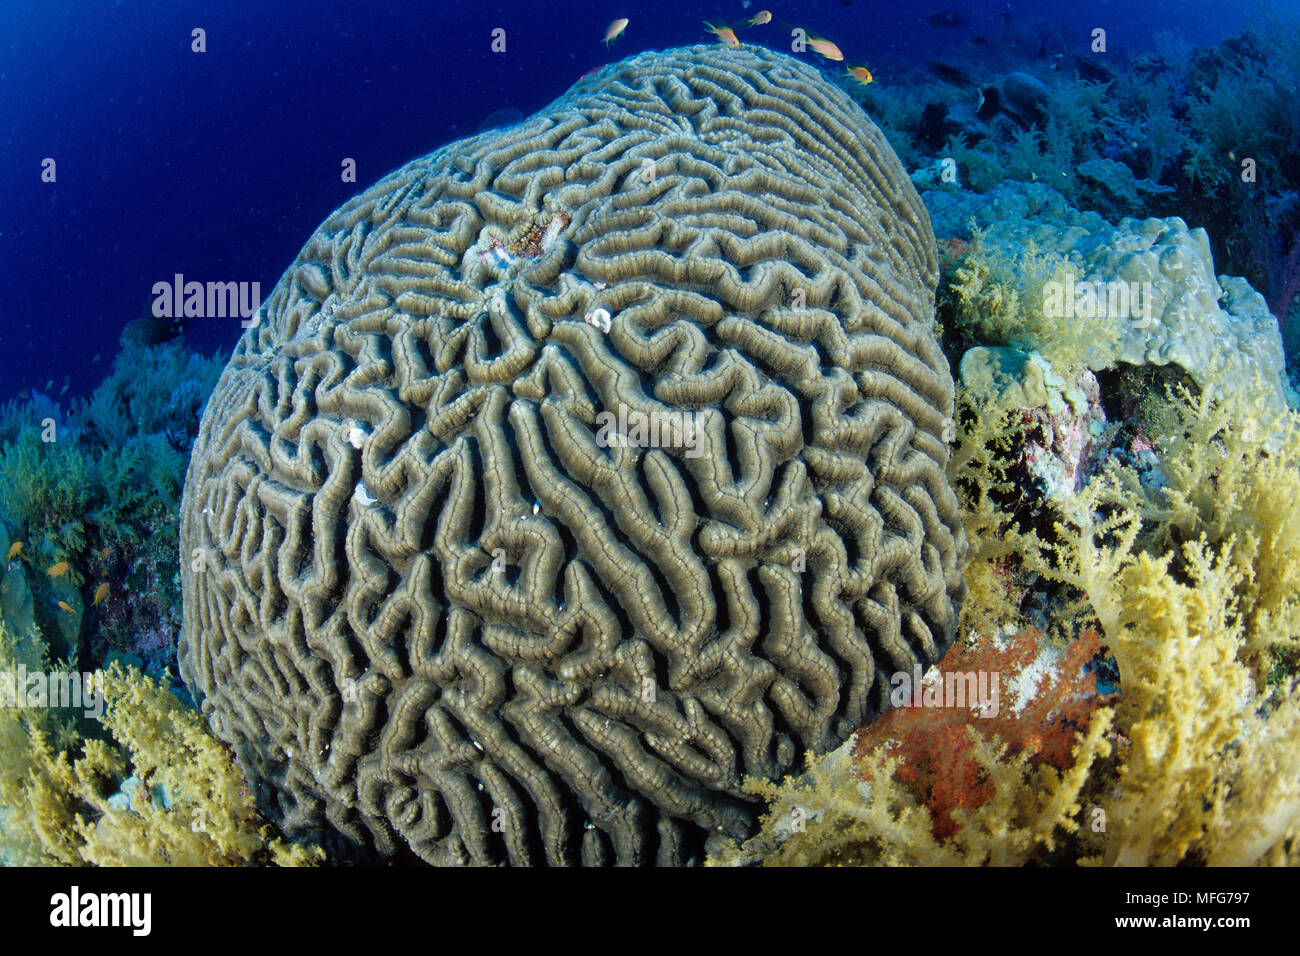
(65, 606)
(826, 48)
(861, 74)
(105, 553)
(101, 592)
(763, 16)
(15, 549)
(725, 34)
(615, 29)
(57, 570)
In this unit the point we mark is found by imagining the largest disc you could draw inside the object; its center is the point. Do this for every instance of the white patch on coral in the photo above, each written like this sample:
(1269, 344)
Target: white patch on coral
(355, 434)
(1024, 687)
(362, 494)
(553, 230)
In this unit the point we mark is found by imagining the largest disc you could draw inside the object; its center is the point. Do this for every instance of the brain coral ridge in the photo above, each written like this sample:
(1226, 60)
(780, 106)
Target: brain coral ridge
(437, 619)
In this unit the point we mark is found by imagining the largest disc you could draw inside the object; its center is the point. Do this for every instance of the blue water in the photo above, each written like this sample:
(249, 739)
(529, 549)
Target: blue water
(219, 165)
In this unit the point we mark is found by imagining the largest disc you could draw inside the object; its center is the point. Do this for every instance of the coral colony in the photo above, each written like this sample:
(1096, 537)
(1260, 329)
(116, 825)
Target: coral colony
(651, 522)
(702, 524)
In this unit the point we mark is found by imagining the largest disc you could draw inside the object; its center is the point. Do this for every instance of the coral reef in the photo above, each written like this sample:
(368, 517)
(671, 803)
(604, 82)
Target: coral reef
(93, 500)
(1137, 293)
(434, 614)
(1210, 134)
(151, 787)
(1193, 763)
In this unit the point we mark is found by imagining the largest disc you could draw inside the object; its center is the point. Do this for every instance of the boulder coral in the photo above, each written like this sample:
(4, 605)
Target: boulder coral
(1143, 292)
(439, 615)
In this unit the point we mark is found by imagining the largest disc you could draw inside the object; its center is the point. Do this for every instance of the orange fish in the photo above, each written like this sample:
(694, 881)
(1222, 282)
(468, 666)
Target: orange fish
(861, 74)
(725, 34)
(57, 570)
(763, 16)
(15, 549)
(826, 48)
(105, 553)
(101, 592)
(65, 606)
(615, 29)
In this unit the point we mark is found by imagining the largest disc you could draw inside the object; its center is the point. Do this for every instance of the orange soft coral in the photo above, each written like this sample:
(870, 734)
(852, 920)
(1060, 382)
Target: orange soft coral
(1049, 694)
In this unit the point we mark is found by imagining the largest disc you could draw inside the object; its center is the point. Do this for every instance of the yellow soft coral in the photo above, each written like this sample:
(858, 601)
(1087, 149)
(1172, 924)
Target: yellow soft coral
(829, 817)
(986, 441)
(211, 819)
(1000, 300)
(1190, 787)
(190, 806)
(1189, 584)
(1232, 470)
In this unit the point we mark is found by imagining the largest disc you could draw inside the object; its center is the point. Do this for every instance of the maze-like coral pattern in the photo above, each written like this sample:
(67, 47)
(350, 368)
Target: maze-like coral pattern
(434, 614)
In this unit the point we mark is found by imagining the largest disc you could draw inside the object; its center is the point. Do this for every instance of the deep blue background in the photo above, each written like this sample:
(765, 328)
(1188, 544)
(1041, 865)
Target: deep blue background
(219, 165)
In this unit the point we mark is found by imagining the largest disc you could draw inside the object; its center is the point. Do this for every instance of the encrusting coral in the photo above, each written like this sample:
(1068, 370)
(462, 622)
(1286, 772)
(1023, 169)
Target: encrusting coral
(435, 612)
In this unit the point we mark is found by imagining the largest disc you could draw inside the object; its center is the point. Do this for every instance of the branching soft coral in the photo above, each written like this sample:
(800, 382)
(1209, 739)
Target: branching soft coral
(59, 800)
(998, 300)
(1232, 471)
(986, 439)
(830, 817)
(208, 817)
(1185, 629)
(1201, 766)
(1190, 789)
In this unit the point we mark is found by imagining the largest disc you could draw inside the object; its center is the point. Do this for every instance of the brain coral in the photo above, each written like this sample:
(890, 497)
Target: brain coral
(436, 610)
